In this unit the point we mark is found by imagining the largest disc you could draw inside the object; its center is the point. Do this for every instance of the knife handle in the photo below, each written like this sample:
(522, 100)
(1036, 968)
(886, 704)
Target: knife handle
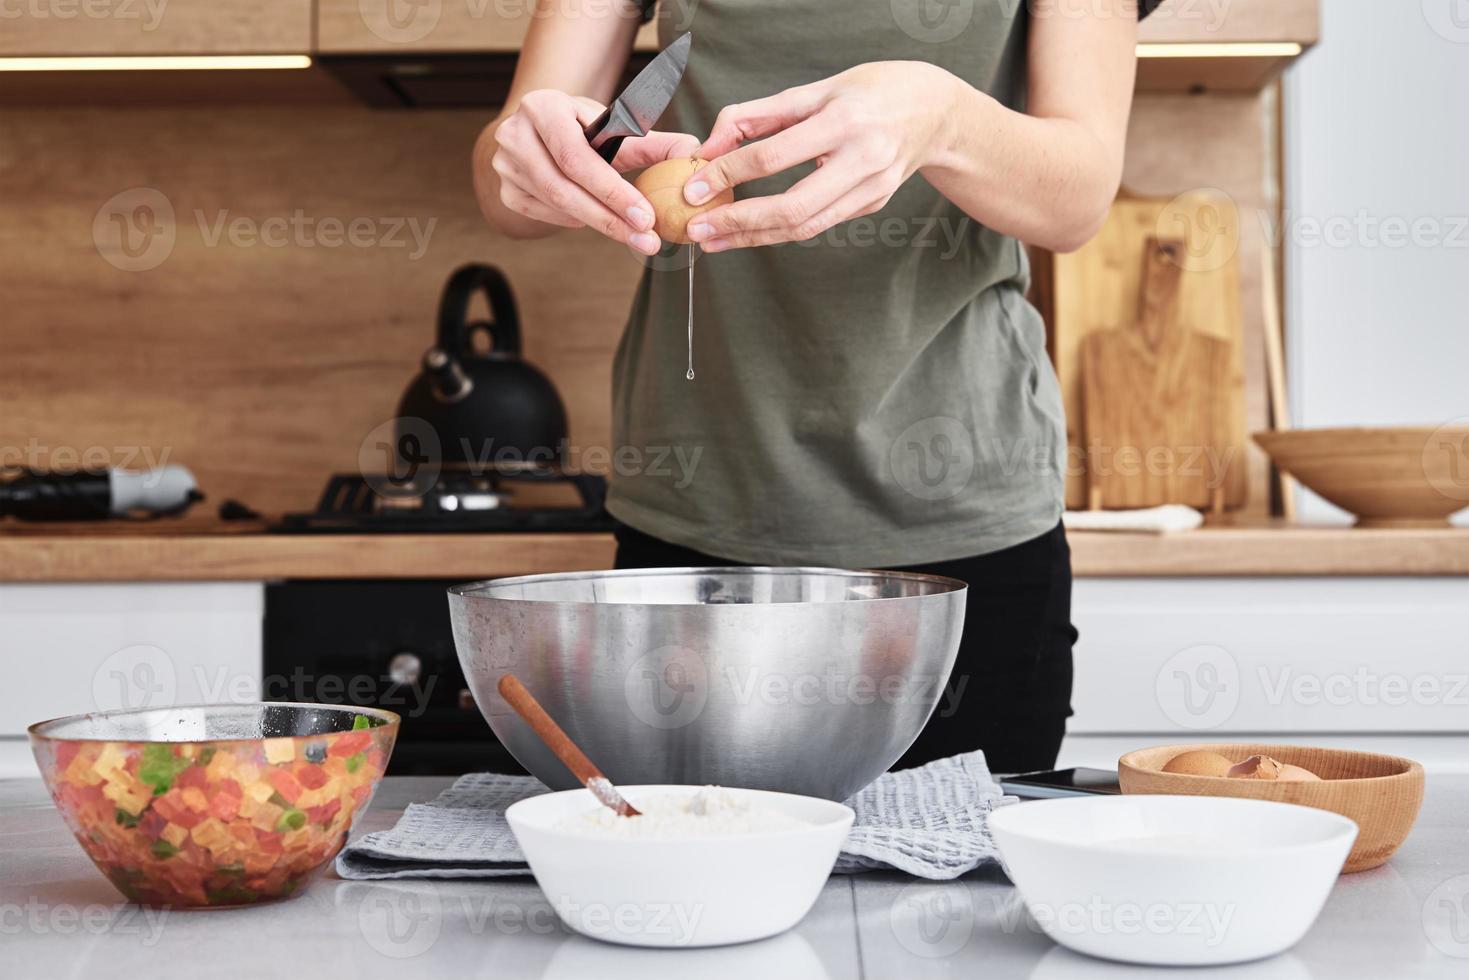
(603, 142)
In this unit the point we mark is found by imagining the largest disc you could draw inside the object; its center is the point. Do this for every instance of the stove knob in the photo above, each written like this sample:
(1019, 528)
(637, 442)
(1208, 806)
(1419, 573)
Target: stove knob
(405, 669)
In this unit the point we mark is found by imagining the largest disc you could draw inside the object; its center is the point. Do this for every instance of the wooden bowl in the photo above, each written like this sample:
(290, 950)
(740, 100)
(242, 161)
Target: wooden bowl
(1382, 793)
(1388, 477)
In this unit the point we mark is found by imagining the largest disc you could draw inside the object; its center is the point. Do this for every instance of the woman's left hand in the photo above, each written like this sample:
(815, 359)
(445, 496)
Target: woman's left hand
(868, 129)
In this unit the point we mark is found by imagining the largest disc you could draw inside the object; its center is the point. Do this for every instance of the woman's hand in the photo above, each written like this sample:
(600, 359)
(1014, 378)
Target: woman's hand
(549, 173)
(1046, 176)
(868, 129)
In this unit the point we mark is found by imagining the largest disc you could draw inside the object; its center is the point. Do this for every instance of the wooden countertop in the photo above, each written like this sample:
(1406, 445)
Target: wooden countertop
(205, 551)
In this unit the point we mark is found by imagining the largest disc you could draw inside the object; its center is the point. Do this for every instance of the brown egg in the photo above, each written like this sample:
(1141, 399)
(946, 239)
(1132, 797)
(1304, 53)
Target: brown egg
(1198, 763)
(1264, 767)
(662, 184)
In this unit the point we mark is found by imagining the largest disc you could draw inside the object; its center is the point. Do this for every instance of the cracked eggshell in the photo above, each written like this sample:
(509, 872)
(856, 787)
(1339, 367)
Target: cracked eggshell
(662, 184)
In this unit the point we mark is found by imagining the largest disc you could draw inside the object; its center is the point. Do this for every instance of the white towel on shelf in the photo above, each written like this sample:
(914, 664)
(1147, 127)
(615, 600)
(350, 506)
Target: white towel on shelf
(1150, 520)
(931, 822)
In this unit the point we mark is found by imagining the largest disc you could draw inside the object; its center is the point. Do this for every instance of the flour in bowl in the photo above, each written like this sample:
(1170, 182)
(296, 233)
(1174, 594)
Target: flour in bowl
(711, 812)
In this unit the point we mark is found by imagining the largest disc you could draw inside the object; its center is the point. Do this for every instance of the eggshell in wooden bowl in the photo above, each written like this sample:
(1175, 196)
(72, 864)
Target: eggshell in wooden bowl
(1382, 793)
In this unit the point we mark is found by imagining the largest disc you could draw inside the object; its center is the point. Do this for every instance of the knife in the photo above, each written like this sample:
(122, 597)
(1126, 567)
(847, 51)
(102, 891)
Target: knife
(635, 111)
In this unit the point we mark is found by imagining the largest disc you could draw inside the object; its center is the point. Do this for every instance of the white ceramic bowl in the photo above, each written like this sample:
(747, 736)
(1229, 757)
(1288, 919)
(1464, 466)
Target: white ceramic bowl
(703, 891)
(1173, 880)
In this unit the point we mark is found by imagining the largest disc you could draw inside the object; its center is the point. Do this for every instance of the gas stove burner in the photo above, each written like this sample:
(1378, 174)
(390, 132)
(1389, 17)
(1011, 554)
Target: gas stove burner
(453, 501)
(448, 494)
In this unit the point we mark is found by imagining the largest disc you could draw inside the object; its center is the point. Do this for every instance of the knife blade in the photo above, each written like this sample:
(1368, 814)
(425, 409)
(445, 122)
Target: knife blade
(639, 105)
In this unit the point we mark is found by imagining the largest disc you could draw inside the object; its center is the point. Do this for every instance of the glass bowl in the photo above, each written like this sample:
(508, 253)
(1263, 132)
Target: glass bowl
(213, 805)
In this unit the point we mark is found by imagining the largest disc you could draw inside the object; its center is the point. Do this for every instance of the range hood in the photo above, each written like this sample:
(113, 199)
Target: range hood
(436, 81)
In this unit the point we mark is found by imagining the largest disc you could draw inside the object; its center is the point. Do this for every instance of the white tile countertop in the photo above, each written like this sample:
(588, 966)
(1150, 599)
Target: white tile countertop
(59, 918)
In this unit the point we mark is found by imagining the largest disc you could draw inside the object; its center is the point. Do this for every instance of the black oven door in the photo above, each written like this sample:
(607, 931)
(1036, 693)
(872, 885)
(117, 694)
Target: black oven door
(386, 644)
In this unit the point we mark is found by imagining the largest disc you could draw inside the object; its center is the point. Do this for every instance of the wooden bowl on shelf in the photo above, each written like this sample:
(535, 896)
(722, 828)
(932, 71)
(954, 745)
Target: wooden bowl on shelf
(1389, 477)
(1382, 793)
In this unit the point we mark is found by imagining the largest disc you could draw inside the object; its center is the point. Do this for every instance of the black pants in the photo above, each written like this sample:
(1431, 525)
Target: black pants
(1010, 692)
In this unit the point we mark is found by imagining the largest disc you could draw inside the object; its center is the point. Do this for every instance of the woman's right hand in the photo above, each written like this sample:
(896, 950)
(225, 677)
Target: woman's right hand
(549, 173)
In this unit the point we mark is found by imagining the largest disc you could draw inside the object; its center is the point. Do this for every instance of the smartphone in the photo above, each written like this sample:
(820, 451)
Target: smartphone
(1062, 782)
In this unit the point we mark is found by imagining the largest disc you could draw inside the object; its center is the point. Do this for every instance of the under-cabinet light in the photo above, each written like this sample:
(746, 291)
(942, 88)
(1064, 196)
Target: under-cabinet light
(229, 62)
(1229, 49)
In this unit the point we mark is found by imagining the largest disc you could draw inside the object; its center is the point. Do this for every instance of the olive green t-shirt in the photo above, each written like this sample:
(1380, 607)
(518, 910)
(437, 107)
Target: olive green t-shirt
(877, 396)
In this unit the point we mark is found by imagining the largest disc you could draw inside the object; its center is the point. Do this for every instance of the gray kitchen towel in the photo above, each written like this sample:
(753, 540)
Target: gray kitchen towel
(929, 822)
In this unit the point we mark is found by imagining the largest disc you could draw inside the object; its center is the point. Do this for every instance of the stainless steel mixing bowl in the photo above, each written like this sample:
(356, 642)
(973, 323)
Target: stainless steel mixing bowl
(804, 680)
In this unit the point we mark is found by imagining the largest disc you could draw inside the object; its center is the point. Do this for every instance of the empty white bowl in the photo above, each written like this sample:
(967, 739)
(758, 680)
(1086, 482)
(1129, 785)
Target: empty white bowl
(1173, 880)
(696, 891)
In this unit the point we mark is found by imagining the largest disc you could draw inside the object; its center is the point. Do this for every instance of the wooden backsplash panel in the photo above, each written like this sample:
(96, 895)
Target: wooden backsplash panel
(262, 366)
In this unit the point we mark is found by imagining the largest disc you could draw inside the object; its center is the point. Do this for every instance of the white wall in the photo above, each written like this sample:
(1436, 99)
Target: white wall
(1377, 127)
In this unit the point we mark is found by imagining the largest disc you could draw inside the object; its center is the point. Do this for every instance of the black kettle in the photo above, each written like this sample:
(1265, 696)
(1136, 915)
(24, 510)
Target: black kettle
(491, 410)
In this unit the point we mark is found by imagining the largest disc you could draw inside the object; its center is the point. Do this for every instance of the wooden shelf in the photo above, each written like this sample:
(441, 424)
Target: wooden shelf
(80, 553)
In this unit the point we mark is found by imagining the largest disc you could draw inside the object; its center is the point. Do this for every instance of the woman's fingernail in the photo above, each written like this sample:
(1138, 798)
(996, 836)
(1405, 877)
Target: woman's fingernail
(714, 245)
(640, 218)
(696, 193)
(701, 231)
(644, 242)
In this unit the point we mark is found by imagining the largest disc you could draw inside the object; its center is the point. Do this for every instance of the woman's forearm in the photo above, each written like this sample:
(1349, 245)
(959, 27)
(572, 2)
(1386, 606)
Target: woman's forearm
(576, 47)
(1045, 181)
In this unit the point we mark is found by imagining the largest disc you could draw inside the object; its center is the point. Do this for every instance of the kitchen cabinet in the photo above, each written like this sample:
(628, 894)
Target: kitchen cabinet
(1370, 663)
(440, 26)
(1232, 22)
(1223, 45)
(88, 647)
(156, 27)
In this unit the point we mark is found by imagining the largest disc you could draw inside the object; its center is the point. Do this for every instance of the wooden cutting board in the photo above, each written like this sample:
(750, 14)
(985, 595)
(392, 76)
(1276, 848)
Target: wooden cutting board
(1097, 288)
(1156, 401)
